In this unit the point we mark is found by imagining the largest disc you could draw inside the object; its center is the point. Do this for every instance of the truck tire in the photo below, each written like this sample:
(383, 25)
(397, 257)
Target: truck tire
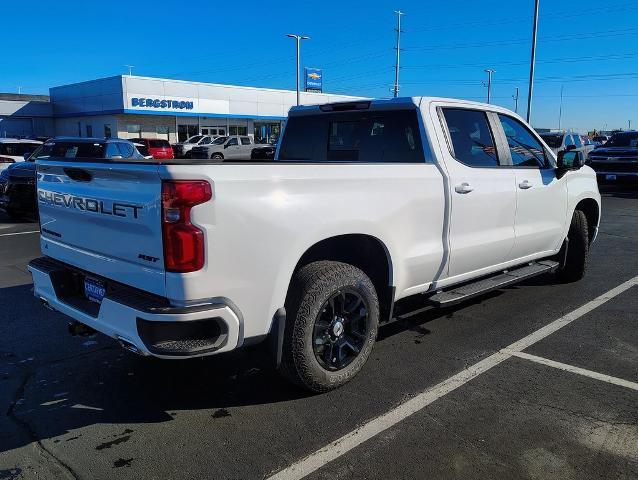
(216, 156)
(575, 263)
(332, 318)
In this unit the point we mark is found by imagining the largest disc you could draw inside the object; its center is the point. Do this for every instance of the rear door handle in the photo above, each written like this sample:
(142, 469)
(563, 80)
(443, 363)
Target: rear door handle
(463, 188)
(525, 184)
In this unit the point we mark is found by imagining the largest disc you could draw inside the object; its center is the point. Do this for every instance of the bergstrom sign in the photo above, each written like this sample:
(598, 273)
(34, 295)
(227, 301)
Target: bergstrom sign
(159, 103)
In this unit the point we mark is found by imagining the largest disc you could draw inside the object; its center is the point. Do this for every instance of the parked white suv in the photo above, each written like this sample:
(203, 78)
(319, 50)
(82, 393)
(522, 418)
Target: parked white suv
(183, 149)
(14, 150)
(234, 147)
(365, 203)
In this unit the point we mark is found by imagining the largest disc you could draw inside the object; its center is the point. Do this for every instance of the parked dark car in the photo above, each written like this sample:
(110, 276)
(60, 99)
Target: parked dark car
(17, 190)
(263, 152)
(618, 159)
(18, 180)
(158, 148)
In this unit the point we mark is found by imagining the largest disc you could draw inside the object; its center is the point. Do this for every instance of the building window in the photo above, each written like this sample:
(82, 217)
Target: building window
(162, 131)
(237, 130)
(134, 130)
(89, 130)
(107, 130)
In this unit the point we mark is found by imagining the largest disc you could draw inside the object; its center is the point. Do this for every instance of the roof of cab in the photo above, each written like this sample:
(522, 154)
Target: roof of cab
(19, 140)
(392, 104)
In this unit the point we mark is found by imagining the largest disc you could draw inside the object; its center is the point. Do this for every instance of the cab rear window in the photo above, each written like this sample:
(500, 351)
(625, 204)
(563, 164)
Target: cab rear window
(366, 137)
(71, 150)
(158, 144)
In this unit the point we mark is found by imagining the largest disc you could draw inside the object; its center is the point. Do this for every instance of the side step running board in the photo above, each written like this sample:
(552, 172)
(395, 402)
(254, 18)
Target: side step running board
(469, 290)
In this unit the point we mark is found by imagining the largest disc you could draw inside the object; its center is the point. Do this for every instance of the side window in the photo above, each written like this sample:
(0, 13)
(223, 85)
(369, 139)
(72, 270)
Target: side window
(471, 137)
(205, 141)
(112, 150)
(525, 149)
(231, 142)
(126, 150)
(577, 141)
(568, 140)
(245, 141)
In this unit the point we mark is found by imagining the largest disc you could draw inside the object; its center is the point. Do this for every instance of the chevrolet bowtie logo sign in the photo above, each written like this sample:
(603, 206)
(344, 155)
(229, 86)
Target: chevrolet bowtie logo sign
(313, 80)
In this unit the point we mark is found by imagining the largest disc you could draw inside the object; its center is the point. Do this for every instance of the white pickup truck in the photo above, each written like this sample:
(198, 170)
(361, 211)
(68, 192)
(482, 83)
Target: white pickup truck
(365, 203)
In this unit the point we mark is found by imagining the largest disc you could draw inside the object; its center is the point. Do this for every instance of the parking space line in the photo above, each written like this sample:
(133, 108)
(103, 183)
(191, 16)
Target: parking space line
(341, 446)
(570, 368)
(18, 233)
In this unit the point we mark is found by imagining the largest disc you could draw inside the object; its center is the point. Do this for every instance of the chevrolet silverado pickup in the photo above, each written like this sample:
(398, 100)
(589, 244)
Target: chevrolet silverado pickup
(365, 203)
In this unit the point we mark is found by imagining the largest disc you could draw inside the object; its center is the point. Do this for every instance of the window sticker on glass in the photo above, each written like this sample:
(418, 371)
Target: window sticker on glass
(71, 152)
(377, 129)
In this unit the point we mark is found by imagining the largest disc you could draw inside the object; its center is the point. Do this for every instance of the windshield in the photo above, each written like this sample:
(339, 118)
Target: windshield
(553, 141)
(70, 150)
(629, 140)
(17, 149)
(195, 139)
(220, 140)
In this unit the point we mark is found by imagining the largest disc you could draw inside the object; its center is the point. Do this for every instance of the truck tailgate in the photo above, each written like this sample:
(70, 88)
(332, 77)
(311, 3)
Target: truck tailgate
(104, 218)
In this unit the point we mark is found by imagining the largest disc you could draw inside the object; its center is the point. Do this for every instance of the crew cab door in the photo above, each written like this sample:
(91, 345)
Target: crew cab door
(482, 192)
(541, 198)
(232, 150)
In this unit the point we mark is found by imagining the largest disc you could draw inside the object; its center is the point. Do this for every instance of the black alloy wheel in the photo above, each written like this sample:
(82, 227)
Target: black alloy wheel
(340, 330)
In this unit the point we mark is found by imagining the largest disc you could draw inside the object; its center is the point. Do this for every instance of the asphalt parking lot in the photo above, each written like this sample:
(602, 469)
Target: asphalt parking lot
(446, 393)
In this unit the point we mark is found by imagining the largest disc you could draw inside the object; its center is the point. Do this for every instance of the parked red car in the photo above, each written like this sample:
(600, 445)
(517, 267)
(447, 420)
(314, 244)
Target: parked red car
(158, 148)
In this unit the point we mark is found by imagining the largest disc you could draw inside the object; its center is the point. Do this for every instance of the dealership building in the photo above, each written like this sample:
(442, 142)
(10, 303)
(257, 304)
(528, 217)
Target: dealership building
(131, 107)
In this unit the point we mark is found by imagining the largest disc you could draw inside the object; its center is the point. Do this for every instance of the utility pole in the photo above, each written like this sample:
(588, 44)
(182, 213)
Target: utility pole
(19, 89)
(560, 108)
(489, 84)
(515, 97)
(298, 38)
(629, 124)
(395, 88)
(130, 69)
(532, 63)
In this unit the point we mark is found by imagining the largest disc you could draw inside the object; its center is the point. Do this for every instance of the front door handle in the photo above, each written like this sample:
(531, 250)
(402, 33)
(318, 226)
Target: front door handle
(463, 188)
(525, 184)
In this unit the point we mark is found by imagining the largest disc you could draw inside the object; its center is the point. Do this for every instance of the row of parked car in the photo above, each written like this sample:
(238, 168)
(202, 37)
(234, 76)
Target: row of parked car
(613, 159)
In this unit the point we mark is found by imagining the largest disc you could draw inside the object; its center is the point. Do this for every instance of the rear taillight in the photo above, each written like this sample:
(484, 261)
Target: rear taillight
(7, 160)
(183, 242)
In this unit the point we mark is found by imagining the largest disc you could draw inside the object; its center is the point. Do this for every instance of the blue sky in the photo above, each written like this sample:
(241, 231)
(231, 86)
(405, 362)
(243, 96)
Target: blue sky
(589, 48)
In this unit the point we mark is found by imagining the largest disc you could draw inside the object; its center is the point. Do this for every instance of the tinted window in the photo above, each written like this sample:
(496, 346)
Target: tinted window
(112, 150)
(17, 149)
(577, 141)
(232, 141)
(219, 140)
(194, 139)
(623, 140)
(390, 136)
(471, 137)
(553, 141)
(72, 150)
(568, 140)
(245, 141)
(126, 150)
(158, 144)
(525, 150)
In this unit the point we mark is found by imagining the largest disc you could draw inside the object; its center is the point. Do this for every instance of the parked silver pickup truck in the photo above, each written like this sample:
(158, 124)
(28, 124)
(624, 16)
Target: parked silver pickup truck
(232, 147)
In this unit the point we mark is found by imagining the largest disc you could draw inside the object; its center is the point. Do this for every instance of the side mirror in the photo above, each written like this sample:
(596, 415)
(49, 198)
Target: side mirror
(570, 160)
(27, 155)
(226, 145)
(569, 148)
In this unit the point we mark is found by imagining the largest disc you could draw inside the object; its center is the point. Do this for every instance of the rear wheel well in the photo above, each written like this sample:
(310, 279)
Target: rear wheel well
(592, 212)
(365, 252)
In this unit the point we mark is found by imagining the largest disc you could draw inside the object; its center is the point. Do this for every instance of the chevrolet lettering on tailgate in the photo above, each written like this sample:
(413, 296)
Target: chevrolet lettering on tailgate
(118, 209)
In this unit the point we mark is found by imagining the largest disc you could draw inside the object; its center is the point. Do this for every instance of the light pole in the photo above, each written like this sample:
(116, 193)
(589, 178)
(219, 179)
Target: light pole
(532, 63)
(515, 97)
(560, 108)
(629, 123)
(298, 38)
(489, 84)
(130, 69)
(395, 88)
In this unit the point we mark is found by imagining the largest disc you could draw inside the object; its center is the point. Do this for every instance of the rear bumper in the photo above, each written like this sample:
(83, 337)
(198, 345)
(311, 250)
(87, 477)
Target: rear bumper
(140, 321)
